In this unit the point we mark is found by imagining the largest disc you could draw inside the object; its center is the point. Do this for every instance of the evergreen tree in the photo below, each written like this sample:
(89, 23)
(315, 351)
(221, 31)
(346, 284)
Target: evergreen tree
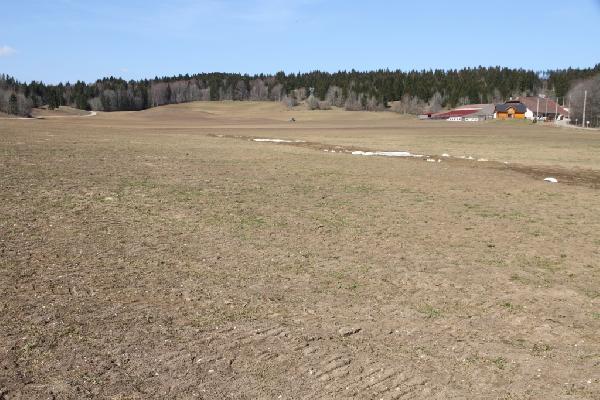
(13, 105)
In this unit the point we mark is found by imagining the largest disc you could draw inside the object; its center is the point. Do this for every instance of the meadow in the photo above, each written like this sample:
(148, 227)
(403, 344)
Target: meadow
(168, 254)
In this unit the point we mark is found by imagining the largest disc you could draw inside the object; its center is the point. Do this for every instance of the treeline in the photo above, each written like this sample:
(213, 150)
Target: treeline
(409, 92)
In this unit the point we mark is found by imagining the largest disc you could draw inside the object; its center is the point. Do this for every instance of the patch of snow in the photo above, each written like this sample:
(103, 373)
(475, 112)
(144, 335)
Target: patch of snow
(393, 153)
(445, 155)
(551, 180)
(470, 158)
(278, 140)
(385, 153)
(430, 160)
(482, 159)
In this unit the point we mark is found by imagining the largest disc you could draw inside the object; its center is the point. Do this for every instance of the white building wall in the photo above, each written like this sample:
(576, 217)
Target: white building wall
(529, 114)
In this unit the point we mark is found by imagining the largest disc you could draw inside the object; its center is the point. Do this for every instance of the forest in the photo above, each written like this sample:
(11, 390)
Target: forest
(406, 92)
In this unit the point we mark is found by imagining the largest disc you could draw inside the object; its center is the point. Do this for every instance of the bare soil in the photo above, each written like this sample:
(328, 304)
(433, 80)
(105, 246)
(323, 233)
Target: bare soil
(165, 254)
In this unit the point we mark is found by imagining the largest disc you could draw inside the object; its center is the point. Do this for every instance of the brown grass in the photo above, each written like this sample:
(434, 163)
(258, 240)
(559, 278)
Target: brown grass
(144, 256)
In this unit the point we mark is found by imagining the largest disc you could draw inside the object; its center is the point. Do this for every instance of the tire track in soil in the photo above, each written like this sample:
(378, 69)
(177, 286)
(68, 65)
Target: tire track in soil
(322, 361)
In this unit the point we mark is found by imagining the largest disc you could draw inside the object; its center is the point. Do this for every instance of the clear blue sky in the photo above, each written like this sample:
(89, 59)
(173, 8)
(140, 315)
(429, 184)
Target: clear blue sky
(64, 40)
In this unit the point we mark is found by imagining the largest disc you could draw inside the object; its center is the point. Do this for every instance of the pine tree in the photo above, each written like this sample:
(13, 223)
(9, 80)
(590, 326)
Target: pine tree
(13, 105)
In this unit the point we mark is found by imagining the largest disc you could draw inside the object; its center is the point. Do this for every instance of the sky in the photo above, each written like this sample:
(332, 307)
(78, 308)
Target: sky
(69, 40)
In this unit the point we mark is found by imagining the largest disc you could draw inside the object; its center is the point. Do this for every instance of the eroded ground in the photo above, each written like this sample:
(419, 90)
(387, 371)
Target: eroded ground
(143, 256)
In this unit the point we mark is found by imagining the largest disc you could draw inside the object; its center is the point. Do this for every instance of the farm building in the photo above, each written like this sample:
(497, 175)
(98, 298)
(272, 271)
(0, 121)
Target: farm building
(454, 114)
(469, 113)
(479, 111)
(541, 108)
(511, 110)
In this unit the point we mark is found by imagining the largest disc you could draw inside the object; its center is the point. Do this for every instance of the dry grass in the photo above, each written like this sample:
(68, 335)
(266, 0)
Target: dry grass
(62, 111)
(512, 141)
(143, 256)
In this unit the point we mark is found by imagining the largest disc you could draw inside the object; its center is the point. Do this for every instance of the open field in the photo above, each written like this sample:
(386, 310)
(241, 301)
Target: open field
(165, 254)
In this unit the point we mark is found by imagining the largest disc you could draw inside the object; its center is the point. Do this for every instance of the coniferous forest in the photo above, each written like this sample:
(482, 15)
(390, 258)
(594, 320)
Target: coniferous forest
(408, 92)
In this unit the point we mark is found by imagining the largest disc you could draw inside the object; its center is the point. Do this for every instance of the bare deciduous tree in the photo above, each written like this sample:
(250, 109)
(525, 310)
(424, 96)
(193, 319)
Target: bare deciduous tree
(277, 92)
(95, 104)
(497, 96)
(335, 96)
(259, 91)
(409, 105)
(372, 104)
(312, 103)
(353, 102)
(24, 105)
(289, 101)
(15, 103)
(241, 91)
(592, 108)
(299, 94)
(159, 94)
(435, 103)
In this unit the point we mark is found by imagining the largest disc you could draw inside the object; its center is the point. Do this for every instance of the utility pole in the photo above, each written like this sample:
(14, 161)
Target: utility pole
(556, 112)
(584, 101)
(546, 108)
(537, 109)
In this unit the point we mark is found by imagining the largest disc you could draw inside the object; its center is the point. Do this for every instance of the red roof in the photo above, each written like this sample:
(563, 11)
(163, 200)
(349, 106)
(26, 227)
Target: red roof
(531, 103)
(454, 113)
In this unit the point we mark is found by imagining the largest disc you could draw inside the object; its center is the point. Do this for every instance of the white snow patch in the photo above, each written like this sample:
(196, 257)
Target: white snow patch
(393, 153)
(482, 159)
(551, 180)
(445, 155)
(430, 160)
(278, 140)
(386, 153)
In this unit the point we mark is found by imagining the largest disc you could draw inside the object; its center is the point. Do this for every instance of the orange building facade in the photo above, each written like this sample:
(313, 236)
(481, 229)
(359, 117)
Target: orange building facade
(510, 111)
